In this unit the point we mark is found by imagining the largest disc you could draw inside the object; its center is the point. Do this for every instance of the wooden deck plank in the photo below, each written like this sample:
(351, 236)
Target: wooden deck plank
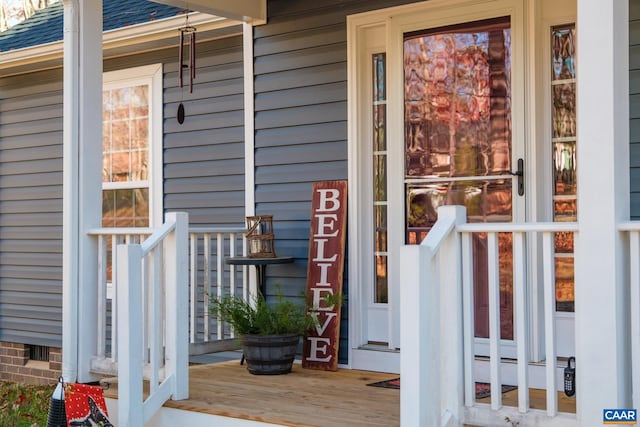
(302, 398)
(307, 398)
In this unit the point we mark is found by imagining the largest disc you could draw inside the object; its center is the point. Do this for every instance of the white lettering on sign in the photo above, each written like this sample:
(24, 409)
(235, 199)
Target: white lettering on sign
(325, 273)
(316, 347)
(320, 256)
(324, 267)
(318, 299)
(320, 328)
(324, 199)
(323, 224)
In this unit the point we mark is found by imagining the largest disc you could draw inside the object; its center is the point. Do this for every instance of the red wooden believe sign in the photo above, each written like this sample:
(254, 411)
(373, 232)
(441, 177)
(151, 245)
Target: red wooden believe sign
(325, 273)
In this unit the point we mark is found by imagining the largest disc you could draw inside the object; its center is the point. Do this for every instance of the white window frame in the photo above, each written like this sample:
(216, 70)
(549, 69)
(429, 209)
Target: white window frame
(150, 75)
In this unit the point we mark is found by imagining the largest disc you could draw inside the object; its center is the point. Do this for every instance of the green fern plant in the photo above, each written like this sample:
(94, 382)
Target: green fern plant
(261, 318)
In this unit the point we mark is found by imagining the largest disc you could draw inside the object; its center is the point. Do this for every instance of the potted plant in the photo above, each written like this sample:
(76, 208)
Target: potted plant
(269, 333)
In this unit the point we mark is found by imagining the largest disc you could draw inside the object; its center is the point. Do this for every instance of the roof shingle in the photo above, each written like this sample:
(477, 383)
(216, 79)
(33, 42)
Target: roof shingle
(46, 25)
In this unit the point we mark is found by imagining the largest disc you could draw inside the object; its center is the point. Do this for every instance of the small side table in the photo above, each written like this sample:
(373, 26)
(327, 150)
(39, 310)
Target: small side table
(261, 266)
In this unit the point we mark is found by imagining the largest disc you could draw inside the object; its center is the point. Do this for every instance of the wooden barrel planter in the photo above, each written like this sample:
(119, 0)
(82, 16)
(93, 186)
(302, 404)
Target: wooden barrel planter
(270, 354)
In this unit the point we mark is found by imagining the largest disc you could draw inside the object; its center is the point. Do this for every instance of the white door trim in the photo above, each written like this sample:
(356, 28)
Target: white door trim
(359, 30)
(395, 22)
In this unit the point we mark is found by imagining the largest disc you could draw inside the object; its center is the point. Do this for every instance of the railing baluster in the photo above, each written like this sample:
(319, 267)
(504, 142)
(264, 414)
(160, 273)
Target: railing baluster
(193, 285)
(232, 271)
(207, 285)
(156, 328)
(493, 274)
(147, 323)
(102, 298)
(549, 321)
(220, 276)
(232, 267)
(468, 318)
(520, 305)
(245, 276)
(115, 240)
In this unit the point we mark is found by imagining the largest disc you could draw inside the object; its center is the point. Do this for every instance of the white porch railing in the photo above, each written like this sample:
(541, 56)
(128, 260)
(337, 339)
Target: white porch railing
(152, 308)
(146, 283)
(633, 230)
(208, 275)
(108, 239)
(211, 276)
(437, 325)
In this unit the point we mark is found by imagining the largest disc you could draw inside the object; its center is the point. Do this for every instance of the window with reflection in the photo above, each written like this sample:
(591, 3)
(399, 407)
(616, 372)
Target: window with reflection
(380, 177)
(564, 142)
(457, 83)
(125, 157)
(126, 151)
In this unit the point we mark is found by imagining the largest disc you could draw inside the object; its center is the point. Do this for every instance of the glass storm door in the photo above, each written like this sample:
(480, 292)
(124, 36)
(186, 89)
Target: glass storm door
(458, 142)
(443, 115)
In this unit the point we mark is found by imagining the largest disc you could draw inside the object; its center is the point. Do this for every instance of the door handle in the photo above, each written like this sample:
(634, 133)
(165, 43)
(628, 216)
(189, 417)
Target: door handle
(520, 174)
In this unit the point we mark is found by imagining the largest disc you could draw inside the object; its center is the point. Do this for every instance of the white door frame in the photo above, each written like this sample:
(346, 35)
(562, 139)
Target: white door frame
(395, 22)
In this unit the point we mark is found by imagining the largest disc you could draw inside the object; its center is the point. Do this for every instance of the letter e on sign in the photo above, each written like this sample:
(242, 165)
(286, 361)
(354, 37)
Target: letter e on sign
(325, 273)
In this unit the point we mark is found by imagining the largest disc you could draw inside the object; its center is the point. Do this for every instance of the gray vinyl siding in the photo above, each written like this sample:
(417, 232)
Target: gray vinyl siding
(204, 157)
(203, 174)
(634, 105)
(31, 208)
(300, 60)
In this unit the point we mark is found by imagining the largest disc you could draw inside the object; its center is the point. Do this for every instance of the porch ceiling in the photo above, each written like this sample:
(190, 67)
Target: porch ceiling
(254, 11)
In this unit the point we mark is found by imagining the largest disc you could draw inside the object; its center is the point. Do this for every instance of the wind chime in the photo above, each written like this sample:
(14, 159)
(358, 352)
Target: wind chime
(187, 42)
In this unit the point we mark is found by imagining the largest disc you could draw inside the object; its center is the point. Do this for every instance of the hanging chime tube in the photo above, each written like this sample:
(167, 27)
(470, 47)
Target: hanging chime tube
(192, 62)
(180, 58)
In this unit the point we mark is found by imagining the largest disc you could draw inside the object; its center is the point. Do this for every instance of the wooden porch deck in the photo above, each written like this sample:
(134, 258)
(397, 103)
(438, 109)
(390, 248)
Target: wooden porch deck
(304, 397)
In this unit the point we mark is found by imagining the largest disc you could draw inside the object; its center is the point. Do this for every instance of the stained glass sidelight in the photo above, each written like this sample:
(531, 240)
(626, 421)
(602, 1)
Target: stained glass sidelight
(564, 142)
(379, 108)
(457, 83)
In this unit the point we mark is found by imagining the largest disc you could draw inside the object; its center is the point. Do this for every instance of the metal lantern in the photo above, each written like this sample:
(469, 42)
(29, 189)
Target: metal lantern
(260, 236)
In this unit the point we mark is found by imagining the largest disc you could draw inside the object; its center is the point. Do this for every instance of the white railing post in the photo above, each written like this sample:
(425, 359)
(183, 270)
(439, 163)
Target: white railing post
(634, 278)
(451, 340)
(130, 337)
(601, 270)
(632, 229)
(428, 300)
(177, 303)
(419, 400)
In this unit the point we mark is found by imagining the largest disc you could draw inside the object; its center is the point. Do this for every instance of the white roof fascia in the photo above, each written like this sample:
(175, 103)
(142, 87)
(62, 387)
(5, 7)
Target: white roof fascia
(250, 11)
(133, 34)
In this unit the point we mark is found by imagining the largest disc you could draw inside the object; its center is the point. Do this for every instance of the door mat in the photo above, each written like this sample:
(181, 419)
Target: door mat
(392, 383)
(482, 389)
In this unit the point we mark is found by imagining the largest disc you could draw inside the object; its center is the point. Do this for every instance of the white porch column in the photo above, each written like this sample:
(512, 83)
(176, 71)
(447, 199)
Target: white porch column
(601, 295)
(82, 182)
